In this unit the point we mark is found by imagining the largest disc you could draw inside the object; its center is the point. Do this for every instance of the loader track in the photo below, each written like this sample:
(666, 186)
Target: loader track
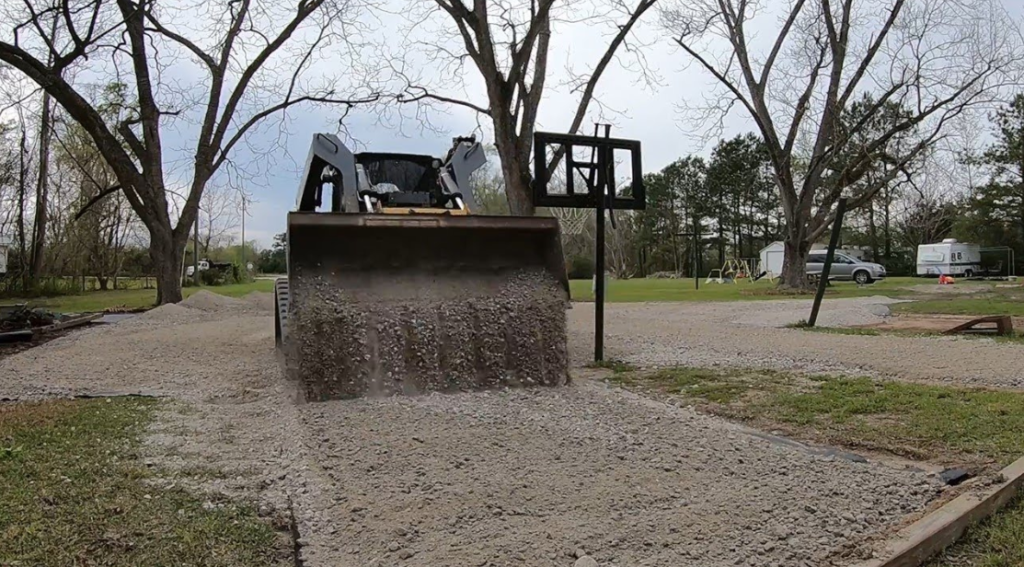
(282, 302)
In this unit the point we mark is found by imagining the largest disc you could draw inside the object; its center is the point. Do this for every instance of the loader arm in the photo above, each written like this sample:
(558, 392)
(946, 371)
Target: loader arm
(329, 161)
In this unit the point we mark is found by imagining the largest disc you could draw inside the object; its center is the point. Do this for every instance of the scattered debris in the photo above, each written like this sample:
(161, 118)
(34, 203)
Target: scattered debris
(22, 324)
(953, 477)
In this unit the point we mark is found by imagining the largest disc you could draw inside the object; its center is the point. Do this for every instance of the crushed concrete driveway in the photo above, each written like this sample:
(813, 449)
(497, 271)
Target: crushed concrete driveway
(752, 334)
(527, 477)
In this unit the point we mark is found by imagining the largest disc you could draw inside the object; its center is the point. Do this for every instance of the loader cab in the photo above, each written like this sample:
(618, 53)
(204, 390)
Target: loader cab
(373, 182)
(400, 181)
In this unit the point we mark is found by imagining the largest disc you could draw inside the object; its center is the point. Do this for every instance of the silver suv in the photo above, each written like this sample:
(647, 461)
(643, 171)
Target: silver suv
(846, 267)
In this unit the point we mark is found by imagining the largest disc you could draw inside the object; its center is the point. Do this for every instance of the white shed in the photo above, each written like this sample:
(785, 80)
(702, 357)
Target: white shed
(4, 245)
(771, 258)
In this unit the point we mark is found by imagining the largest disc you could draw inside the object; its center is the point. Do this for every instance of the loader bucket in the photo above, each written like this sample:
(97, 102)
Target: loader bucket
(385, 304)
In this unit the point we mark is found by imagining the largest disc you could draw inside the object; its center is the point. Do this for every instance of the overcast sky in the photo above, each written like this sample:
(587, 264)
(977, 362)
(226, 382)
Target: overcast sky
(650, 113)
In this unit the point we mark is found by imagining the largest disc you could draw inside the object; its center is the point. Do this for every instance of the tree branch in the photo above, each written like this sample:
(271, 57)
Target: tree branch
(424, 94)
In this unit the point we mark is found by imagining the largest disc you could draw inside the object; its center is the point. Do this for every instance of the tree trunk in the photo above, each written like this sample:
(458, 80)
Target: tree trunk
(42, 189)
(517, 187)
(515, 168)
(103, 283)
(167, 257)
(794, 264)
(887, 234)
(721, 244)
(22, 181)
(873, 232)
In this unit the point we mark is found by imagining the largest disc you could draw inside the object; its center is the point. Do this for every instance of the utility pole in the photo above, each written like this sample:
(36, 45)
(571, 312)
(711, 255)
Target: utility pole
(244, 265)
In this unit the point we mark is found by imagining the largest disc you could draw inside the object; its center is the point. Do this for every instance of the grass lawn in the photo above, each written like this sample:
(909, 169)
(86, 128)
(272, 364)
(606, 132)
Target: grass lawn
(683, 290)
(955, 426)
(74, 493)
(994, 301)
(985, 304)
(130, 298)
(1016, 337)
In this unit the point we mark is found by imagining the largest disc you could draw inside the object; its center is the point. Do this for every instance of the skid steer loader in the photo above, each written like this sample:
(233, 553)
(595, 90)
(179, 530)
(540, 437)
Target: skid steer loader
(395, 287)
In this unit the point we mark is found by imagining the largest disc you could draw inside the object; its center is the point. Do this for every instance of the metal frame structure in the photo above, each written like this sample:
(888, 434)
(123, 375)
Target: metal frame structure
(602, 153)
(600, 193)
(1011, 268)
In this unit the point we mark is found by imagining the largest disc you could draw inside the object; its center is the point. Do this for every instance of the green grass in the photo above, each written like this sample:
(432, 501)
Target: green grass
(997, 542)
(986, 304)
(634, 290)
(616, 366)
(131, 298)
(1017, 337)
(837, 330)
(920, 421)
(683, 290)
(73, 492)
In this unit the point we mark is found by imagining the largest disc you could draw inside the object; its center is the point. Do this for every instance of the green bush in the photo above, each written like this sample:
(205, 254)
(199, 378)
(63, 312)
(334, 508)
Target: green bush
(581, 268)
(235, 274)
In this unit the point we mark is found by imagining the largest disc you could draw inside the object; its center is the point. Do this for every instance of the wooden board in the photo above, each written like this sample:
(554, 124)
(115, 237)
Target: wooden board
(1003, 325)
(941, 528)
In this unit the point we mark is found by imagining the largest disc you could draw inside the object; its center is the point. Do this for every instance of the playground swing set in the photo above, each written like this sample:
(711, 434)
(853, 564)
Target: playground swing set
(736, 269)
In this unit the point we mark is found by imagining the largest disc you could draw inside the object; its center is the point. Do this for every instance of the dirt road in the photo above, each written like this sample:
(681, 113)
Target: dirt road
(527, 477)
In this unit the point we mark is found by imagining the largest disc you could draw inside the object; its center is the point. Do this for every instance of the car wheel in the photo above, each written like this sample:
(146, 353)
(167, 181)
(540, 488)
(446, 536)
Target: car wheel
(969, 274)
(862, 277)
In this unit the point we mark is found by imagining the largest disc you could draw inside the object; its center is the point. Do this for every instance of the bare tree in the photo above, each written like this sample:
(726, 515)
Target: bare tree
(88, 240)
(936, 59)
(508, 42)
(219, 215)
(251, 59)
(9, 161)
(42, 188)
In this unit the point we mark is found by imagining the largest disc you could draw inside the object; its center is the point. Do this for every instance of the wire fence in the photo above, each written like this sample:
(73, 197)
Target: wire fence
(14, 285)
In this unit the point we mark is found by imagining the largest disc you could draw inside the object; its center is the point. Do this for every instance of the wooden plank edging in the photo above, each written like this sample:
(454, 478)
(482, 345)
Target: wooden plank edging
(77, 321)
(939, 529)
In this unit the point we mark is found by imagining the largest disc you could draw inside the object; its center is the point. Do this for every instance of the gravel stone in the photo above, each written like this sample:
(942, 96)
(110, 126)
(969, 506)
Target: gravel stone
(525, 475)
(751, 334)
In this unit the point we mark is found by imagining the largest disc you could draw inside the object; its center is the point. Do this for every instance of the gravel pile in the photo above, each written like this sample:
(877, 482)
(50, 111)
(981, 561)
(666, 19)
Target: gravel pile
(260, 300)
(733, 334)
(407, 338)
(208, 301)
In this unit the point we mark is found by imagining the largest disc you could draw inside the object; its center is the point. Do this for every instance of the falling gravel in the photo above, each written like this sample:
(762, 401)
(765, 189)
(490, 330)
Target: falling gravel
(525, 476)
(438, 335)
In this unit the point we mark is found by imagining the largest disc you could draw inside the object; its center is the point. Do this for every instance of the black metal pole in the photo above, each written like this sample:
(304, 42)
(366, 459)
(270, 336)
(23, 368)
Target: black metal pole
(696, 276)
(837, 225)
(599, 284)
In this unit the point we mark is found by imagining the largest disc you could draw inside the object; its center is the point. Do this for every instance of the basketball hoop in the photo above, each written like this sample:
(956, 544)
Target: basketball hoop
(572, 221)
